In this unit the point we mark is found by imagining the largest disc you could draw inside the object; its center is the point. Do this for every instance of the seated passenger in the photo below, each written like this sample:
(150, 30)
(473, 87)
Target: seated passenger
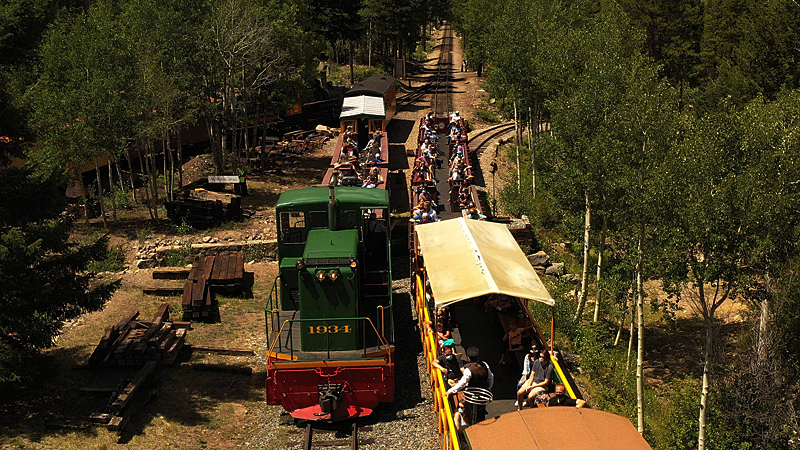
(527, 364)
(514, 339)
(499, 303)
(428, 207)
(473, 213)
(535, 388)
(373, 179)
(449, 364)
(562, 399)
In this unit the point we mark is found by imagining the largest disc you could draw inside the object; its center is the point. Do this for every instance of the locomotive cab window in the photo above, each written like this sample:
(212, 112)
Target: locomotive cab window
(347, 220)
(293, 227)
(318, 220)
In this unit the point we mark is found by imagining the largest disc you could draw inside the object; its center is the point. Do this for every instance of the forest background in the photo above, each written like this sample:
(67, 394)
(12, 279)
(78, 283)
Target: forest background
(673, 159)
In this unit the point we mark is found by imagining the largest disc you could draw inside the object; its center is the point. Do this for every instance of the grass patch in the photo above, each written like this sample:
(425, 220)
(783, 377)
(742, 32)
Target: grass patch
(487, 116)
(113, 262)
(180, 257)
(340, 75)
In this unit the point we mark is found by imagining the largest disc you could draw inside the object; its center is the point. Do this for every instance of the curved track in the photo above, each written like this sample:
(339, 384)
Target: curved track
(484, 136)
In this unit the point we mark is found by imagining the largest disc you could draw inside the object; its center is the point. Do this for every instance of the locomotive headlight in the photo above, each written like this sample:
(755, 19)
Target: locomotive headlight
(320, 275)
(299, 265)
(353, 263)
(333, 275)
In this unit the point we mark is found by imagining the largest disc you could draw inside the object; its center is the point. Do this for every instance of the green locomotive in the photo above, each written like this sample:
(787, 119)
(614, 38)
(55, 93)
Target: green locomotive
(331, 323)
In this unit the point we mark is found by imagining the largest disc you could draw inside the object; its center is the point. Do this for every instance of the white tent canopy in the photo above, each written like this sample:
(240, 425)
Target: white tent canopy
(468, 258)
(363, 106)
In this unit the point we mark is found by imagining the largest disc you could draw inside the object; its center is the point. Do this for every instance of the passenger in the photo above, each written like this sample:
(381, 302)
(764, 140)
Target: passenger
(527, 364)
(500, 303)
(373, 179)
(442, 334)
(538, 383)
(514, 339)
(460, 418)
(428, 207)
(476, 374)
(473, 213)
(450, 364)
(562, 399)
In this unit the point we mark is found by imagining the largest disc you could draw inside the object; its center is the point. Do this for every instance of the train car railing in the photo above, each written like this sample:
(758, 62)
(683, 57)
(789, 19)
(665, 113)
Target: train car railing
(295, 355)
(271, 306)
(441, 405)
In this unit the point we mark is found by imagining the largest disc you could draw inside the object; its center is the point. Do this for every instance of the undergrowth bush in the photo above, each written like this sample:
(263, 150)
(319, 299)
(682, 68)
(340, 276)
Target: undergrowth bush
(113, 262)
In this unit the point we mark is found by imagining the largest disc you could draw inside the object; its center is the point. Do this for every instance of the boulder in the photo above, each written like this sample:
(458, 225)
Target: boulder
(145, 263)
(539, 259)
(572, 277)
(540, 270)
(556, 270)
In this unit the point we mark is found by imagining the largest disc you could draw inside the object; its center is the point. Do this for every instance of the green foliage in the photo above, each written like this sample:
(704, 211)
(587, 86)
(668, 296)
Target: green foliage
(340, 75)
(123, 199)
(114, 261)
(43, 275)
(143, 234)
(487, 116)
(180, 257)
(183, 229)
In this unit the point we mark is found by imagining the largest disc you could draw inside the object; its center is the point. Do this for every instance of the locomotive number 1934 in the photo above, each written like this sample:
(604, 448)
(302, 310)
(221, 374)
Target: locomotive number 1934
(322, 329)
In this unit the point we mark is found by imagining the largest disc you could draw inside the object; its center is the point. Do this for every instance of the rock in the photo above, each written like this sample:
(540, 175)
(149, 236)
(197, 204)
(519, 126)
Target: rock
(145, 263)
(206, 239)
(539, 259)
(556, 270)
(572, 277)
(539, 270)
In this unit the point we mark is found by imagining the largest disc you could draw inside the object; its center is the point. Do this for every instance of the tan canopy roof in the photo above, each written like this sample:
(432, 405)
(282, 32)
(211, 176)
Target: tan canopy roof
(557, 428)
(468, 258)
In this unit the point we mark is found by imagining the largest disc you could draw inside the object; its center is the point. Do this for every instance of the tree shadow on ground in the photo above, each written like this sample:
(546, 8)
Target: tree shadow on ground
(53, 397)
(674, 350)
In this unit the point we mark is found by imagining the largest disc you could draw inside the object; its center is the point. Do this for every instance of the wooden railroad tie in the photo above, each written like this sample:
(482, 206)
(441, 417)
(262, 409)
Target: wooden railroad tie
(209, 275)
(135, 343)
(129, 400)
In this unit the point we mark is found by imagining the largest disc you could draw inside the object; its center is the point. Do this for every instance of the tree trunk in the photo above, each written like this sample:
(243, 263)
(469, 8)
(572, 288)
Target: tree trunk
(145, 169)
(621, 324)
(640, 331)
(352, 72)
(119, 176)
(531, 145)
(516, 134)
(154, 180)
(630, 337)
(100, 193)
(166, 172)
(133, 174)
(764, 338)
(587, 228)
(180, 159)
(599, 292)
(111, 189)
(701, 434)
(171, 177)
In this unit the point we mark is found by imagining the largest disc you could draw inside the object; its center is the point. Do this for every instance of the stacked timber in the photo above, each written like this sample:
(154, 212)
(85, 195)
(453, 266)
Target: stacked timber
(202, 209)
(208, 275)
(135, 343)
(129, 399)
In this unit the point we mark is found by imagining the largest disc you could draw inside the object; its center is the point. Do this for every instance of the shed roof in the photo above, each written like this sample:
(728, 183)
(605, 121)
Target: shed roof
(468, 258)
(376, 86)
(557, 428)
(363, 106)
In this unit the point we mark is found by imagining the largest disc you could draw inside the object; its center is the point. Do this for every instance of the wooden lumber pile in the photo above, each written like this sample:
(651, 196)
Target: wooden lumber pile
(208, 275)
(130, 399)
(135, 343)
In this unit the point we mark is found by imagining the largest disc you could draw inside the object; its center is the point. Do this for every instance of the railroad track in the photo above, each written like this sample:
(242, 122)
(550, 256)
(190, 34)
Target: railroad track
(352, 441)
(437, 84)
(484, 136)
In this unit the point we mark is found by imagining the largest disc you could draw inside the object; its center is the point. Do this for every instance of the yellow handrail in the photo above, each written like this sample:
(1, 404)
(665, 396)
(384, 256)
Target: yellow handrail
(561, 375)
(442, 406)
